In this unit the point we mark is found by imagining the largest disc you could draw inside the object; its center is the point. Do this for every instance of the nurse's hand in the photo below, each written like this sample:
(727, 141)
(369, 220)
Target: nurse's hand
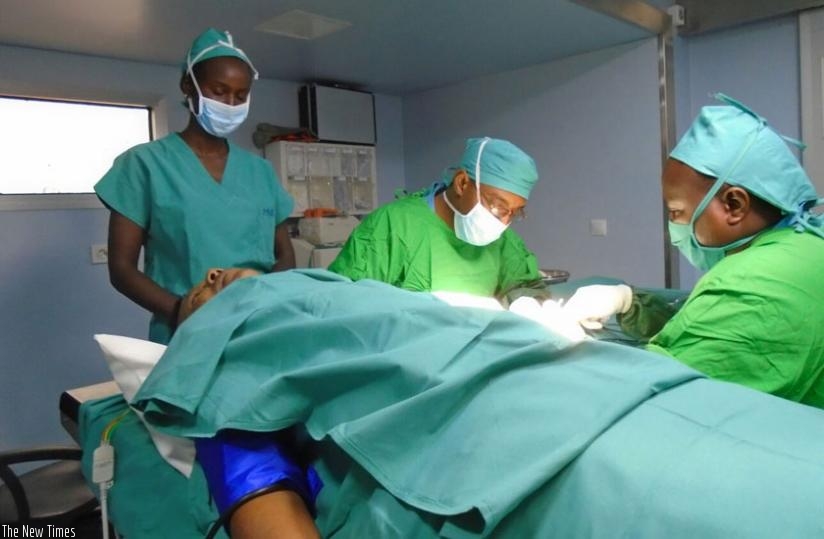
(592, 305)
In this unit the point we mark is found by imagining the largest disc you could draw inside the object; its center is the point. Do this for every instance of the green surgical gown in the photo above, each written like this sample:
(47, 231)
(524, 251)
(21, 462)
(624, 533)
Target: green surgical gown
(407, 245)
(192, 222)
(756, 318)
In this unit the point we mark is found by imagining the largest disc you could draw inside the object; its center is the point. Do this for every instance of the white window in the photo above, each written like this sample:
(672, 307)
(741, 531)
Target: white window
(62, 148)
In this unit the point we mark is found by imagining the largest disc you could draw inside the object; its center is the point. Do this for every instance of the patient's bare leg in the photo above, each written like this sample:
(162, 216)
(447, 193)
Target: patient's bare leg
(281, 514)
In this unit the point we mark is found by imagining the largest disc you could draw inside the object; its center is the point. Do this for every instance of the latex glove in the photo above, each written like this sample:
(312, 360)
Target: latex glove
(462, 299)
(550, 315)
(527, 307)
(592, 305)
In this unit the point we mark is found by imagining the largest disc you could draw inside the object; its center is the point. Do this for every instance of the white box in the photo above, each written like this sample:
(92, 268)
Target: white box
(337, 114)
(303, 252)
(327, 230)
(322, 257)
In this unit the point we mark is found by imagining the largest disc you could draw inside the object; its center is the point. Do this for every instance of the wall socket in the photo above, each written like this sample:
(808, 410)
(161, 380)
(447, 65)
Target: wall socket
(598, 227)
(100, 253)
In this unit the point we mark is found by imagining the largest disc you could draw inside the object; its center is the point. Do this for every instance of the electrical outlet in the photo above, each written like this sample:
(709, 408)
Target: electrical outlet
(598, 227)
(100, 253)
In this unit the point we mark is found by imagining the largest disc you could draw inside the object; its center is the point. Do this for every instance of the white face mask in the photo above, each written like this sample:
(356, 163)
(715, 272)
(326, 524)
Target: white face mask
(216, 118)
(478, 227)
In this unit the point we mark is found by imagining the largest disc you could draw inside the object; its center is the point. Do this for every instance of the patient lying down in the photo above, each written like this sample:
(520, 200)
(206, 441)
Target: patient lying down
(548, 313)
(270, 500)
(435, 421)
(275, 496)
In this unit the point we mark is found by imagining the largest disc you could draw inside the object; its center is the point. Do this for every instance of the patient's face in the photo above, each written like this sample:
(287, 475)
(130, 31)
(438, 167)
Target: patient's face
(216, 280)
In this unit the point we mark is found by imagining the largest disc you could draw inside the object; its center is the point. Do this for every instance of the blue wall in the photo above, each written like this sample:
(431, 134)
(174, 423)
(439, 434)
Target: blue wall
(758, 64)
(53, 299)
(591, 123)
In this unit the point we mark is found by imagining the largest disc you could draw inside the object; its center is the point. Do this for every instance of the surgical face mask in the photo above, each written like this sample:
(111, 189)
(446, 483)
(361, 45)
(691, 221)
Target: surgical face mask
(216, 118)
(683, 235)
(478, 227)
(699, 256)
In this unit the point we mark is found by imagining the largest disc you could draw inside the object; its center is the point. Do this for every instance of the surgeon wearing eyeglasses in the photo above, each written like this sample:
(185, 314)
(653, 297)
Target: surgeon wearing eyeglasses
(454, 236)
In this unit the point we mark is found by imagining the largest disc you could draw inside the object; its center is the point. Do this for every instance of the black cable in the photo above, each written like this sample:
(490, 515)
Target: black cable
(216, 526)
(227, 515)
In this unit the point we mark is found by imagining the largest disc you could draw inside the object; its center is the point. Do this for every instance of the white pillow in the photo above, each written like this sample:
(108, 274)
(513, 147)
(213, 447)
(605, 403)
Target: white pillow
(130, 361)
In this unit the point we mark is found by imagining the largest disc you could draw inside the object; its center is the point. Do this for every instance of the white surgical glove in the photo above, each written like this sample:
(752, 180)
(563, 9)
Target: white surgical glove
(549, 315)
(592, 305)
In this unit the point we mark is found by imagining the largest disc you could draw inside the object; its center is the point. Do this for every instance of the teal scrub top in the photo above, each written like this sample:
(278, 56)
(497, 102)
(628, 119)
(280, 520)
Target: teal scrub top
(192, 222)
(407, 245)
(756, 319)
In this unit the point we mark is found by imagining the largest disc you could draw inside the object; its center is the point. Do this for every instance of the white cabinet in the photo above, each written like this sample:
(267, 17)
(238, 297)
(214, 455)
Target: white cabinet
(321, 175)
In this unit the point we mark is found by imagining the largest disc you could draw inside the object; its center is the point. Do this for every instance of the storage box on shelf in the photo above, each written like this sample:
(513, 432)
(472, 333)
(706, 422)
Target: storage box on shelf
(322, 175)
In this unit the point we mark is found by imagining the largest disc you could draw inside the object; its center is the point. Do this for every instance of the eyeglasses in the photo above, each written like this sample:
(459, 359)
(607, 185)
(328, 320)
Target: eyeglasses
(505, 214)
(501, 211)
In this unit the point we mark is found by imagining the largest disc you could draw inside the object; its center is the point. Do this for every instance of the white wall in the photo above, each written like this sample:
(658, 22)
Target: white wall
(52, 299)
(591, 123)
(390, 146)
(758, 64)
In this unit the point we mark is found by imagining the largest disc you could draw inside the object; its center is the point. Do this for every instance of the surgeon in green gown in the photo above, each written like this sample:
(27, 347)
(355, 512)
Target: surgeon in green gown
(455, 235)
(193, 200)
(740, 206)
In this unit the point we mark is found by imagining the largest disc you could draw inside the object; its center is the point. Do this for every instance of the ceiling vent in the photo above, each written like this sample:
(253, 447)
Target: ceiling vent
(302, 25)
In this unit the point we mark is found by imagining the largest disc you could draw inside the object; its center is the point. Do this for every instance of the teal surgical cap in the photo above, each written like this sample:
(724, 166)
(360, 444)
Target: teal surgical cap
(214, 44)
(735, 144)
(502, 165)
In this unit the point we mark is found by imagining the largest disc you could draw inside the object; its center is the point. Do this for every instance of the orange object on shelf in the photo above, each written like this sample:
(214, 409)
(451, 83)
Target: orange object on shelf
(320, 212)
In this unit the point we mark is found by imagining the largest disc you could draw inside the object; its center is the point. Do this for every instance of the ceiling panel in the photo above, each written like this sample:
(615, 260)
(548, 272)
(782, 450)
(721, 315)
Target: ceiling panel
(392, 46)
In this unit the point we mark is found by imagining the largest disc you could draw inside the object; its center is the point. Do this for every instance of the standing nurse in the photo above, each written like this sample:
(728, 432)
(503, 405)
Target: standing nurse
(454, 236)
(193, 200)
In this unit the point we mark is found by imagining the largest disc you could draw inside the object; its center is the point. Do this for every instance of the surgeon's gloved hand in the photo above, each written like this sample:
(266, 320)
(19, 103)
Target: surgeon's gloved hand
(592, 305)
(241, 465)
(550, 315)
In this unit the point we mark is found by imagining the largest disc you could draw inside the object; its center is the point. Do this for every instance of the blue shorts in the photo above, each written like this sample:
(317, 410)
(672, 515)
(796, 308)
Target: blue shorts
(241, 465)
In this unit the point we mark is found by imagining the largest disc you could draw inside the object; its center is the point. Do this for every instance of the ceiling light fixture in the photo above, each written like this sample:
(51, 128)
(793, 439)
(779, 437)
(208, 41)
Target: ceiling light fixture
(302, 25)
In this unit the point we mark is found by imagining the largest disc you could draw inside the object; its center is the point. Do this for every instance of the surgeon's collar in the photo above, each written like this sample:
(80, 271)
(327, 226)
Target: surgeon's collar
(434, 190)
(804, 219)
